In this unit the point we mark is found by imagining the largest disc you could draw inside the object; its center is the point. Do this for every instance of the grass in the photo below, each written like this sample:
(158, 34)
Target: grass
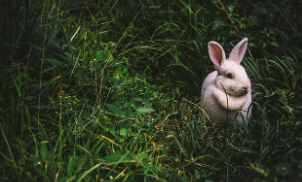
(109, 91)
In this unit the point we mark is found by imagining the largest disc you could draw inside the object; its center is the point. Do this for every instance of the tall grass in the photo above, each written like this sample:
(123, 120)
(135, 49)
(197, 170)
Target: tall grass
(109, 91)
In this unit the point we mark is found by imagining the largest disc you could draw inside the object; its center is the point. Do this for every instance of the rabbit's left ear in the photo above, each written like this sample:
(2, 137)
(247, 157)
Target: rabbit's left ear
(238, 51)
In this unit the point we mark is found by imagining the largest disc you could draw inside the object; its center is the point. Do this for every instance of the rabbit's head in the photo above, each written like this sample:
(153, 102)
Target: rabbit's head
(231, 76)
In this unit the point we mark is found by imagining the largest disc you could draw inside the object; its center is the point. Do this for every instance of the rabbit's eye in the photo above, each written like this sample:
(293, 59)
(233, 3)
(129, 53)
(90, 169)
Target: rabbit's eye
(229, 75)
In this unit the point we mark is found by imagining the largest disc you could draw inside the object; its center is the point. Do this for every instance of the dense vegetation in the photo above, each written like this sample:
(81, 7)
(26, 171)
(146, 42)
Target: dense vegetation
(96, 90)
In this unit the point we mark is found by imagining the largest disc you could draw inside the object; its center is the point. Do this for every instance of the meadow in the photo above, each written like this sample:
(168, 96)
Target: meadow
(95, 90)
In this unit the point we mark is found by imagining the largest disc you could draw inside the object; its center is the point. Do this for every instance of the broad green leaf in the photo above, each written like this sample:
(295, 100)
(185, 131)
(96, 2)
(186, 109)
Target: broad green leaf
(275, 44)
(119, 156)
(115, 110)
(144, 110)
(56, 62)
(125, 131)
(140, 156)
(44, 151)
(196, 174)
(71, 165)
(231, 8)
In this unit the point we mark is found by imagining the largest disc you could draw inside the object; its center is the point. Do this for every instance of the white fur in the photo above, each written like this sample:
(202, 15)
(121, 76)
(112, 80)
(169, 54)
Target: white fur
(226, 92)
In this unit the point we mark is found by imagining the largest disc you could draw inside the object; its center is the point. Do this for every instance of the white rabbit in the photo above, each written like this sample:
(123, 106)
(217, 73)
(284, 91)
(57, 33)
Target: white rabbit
(226, 92)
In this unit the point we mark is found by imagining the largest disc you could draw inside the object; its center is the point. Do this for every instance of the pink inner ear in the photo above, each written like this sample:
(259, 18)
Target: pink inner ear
(238, 51)
(216, 53)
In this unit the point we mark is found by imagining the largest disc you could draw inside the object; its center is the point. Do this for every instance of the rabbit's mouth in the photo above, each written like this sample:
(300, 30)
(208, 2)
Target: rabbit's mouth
(238, 93)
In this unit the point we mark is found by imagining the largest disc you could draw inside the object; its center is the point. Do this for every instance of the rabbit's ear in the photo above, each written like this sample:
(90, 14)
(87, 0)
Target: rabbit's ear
(239, 51)
(216, 53)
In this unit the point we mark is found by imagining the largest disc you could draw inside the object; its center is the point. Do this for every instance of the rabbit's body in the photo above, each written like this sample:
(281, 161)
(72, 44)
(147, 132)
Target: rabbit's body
(226, 92)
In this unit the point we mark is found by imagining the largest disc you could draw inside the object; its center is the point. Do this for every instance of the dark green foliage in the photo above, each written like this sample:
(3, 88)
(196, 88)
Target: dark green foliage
(109, 91)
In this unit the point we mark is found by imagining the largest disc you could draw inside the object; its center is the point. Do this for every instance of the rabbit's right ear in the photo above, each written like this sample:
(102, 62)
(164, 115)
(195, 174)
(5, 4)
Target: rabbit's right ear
(216, 53)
